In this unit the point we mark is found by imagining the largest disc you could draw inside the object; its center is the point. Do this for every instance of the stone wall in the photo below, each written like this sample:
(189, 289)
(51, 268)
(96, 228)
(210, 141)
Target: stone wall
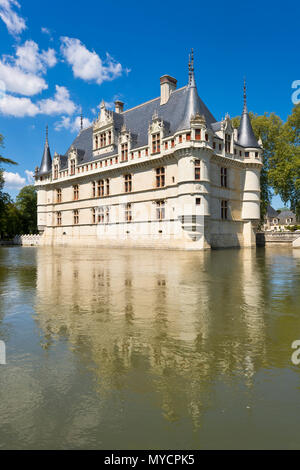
(27, 240)
(276, 237)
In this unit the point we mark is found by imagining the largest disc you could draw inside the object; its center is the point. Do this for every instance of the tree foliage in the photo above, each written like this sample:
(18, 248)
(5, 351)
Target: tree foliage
(2, 159)
(26, 204)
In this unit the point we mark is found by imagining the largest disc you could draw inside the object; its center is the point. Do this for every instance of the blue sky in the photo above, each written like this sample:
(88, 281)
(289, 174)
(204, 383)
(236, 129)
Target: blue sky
(58, 57)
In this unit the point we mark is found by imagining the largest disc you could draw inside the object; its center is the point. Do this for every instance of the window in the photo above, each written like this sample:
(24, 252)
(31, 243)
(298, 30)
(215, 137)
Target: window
(160, 210)
(76, 217)
(109, 137)
(224, 177)
(227, 143)
(256, 154)
(188, 137)
(93, 215)
(124, 152)
(107, 215)
(76, 192)
(197, 170)
(128, 213)
(96, 142)
(214, 145)
(72, 167)
(101, 188)
(156, 143)
(172, 143)
(94, 189)
(160, 177)
(224, 210)
(206, 137)
(246, 154)
(180, 139)
(220, 146)
(128, 183)
(197, 134)
(166, 145)
(55, 172)
(198, 201)
(146, 152)
(103, 139)
(58, 218)
(101, 215)
(58, 195)
(107, 187)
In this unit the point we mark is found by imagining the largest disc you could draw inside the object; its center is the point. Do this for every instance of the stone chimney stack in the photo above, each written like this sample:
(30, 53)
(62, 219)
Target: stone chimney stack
(167, 86)
(119, 106)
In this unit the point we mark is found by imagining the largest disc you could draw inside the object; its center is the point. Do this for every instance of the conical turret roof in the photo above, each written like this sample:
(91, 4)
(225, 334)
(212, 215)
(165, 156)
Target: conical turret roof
(193, 104)
(246, 136)
(46, 164)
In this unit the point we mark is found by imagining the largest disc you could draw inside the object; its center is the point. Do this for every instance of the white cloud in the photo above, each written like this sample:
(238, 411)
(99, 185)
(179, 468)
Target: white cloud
(88, 65)
(29, 59)
(17, 107)
(46, 31)
(22, 74)
(20, 82)
(73, 125)
(29, 176)
(13, 180)
(22, 107)
(14, 22)
(60, 104)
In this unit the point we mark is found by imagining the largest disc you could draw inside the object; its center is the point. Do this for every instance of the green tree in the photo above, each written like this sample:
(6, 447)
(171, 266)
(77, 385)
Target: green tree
(26, 204)
(284, 168)
(2, 159)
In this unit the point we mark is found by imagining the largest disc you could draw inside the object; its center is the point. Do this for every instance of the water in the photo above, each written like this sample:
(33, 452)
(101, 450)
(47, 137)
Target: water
(115, 349)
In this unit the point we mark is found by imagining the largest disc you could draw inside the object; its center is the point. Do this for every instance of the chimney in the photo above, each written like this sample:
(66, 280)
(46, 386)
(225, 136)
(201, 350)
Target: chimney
(167, 86)
(119, 106)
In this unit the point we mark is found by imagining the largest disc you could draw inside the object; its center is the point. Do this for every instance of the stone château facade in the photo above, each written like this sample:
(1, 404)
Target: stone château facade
(164, 174)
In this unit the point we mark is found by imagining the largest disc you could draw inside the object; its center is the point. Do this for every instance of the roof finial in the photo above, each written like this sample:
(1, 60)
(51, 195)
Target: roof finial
(81, 119)
(47, 134)
(245, 94)
(191, 69)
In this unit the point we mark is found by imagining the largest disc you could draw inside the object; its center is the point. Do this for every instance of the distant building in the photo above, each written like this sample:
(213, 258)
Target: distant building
(164, 174)
(279, 220)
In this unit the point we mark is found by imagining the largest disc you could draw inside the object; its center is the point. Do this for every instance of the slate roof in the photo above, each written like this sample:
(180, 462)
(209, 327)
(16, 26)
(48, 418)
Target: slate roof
(176, 115)
(137, 121)
(271, 212)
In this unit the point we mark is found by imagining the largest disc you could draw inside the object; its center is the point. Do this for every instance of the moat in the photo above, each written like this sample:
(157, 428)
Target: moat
(129, 349)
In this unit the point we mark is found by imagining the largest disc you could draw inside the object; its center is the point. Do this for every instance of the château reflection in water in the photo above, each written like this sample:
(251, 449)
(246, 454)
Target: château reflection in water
(169, 324)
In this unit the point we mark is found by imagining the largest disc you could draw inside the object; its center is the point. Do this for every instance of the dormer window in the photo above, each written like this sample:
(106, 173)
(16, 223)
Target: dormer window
(55, 172)
(124, 152)
(227, 143)
(197, 134)
(72, 167)
(156, 143)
